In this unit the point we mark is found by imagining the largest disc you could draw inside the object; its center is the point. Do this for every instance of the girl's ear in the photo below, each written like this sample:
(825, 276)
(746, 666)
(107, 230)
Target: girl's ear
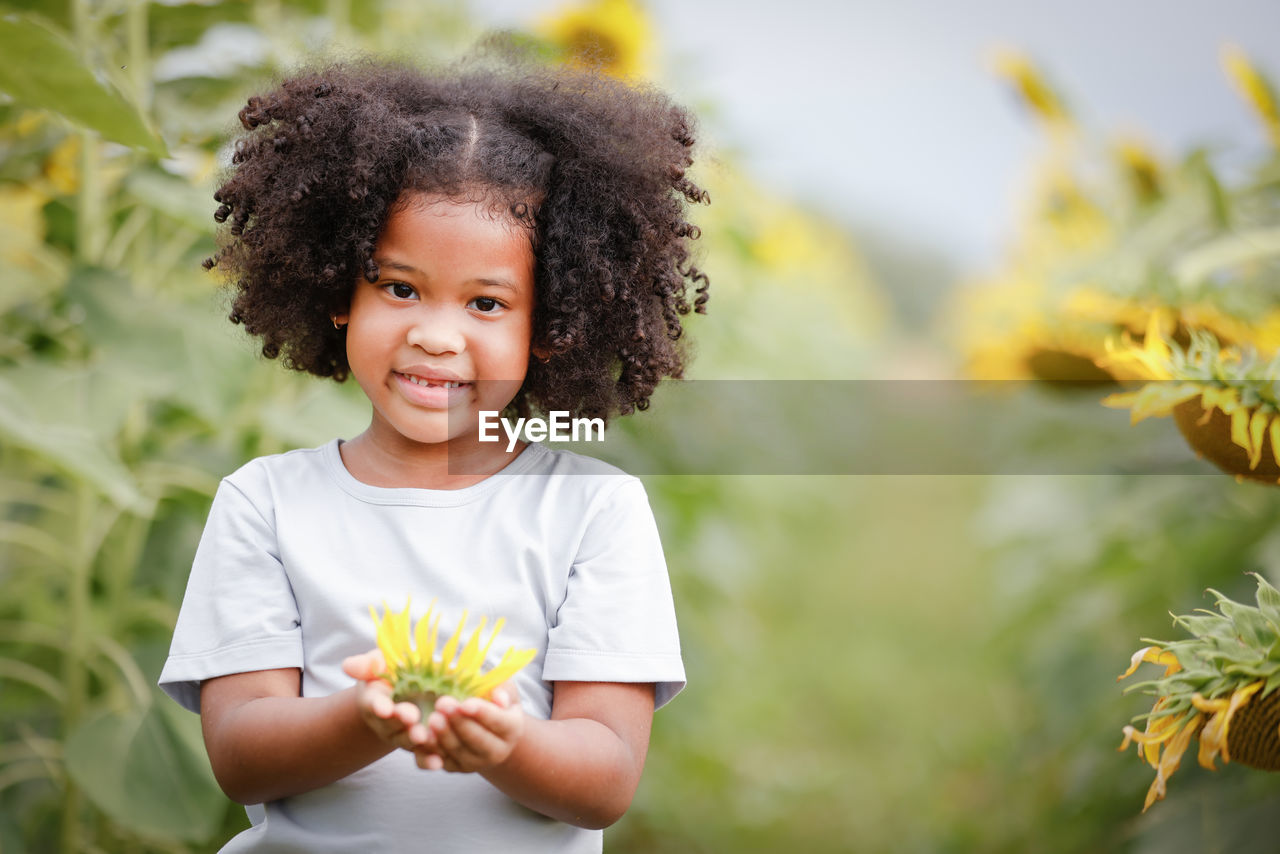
(541, 353)
(339, 320)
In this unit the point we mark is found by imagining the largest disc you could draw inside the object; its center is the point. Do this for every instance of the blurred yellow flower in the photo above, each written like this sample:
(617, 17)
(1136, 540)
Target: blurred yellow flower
(1255, 87)
(1011, 327)
(1030, 85)
(613, 35)
(62, 166)
(418, 675)
(29, 122)
(21, 224)
(1141, 168)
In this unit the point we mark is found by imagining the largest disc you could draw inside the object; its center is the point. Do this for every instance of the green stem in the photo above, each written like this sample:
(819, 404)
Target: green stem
(139, 54)
(73, 663)
(89, 206)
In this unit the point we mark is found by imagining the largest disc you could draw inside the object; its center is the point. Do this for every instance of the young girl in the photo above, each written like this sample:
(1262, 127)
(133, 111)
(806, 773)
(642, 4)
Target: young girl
(509, 240)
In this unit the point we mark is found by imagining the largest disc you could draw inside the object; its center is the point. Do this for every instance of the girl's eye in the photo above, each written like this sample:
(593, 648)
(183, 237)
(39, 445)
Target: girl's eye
(486, 304)
(399, 290)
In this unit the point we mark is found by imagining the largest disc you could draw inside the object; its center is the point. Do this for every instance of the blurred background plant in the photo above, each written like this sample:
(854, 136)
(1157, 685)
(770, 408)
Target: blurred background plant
(876, 663)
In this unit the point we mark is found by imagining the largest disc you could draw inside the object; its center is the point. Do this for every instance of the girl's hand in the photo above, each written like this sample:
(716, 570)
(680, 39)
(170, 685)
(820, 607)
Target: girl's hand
(473, 735)
(397, 724)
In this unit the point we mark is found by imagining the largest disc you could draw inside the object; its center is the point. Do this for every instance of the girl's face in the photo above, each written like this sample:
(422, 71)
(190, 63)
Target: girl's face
(445, 331)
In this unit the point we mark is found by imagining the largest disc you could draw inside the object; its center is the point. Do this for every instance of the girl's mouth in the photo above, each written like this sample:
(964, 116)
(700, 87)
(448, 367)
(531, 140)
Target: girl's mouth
(426, 383)
(432, 393)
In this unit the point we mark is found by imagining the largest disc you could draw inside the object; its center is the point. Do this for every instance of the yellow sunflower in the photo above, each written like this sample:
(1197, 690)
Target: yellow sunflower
(1015, 328)
(615, 36)
(418, 675)
(1218, 686)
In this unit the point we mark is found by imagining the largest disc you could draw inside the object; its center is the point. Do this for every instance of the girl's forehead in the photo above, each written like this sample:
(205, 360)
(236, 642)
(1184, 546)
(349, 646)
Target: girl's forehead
(479, 203)
(440, 231)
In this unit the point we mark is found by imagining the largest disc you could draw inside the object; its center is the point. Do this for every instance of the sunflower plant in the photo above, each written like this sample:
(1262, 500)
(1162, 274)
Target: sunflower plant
(1103, 248)
(1225, 400)
(417, 674)
(1226, 672)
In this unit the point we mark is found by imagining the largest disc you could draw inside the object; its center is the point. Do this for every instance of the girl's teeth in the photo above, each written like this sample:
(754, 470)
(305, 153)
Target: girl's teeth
(420, 381)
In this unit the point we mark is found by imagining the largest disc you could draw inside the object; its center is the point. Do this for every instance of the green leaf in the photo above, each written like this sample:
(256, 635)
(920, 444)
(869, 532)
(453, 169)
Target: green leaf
(1208, 625)
(43, 69)
(141, 770)
(1219, 203)
(1268, 600)
(1235, 250)
(160, 348)
(31, 396)
(173, 197)
(1249, 624)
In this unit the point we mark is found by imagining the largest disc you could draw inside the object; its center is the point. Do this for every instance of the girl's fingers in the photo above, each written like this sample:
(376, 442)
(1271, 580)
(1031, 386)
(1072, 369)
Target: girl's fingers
(447, 738)
(407, 713)
(475, 739)
(505, 722)
(380, 704)
(366, 666)
(437, 723)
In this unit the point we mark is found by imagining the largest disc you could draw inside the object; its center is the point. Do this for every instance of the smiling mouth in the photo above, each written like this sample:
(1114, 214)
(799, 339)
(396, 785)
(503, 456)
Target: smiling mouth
(427, 383)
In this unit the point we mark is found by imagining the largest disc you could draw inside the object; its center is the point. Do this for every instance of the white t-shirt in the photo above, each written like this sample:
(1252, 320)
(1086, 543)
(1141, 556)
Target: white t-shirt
(296, 550)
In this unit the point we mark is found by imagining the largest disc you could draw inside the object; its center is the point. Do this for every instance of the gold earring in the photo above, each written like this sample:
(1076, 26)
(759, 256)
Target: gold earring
(336, 324)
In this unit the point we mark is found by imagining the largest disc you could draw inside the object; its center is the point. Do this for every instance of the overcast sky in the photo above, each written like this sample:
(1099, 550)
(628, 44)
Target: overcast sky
(886, 112)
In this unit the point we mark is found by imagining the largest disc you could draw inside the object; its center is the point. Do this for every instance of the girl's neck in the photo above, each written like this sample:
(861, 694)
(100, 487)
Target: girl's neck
(394, 463)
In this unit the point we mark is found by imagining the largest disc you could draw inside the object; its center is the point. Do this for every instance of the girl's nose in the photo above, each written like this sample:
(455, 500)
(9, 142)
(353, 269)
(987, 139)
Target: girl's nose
(435, 332)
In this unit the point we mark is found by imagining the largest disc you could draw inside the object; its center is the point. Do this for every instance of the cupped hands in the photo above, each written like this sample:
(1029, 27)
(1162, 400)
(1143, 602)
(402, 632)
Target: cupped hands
(396, 724)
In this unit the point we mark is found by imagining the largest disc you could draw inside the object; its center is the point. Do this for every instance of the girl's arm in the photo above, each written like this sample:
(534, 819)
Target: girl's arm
(582, 766)
(266, 742)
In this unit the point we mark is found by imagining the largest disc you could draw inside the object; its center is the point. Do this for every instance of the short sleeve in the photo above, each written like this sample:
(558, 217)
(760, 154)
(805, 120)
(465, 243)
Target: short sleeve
(239, 612)
(617, 622)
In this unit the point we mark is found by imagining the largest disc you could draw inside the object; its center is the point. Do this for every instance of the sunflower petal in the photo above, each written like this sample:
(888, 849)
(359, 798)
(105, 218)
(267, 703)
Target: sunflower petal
(1240, 429)
(1155, 655)
(451, 648)
(497, 627)
(424, 642)
(512, 662)
(469, 660)
(1257, 429)
(1171, 759)
(1275, 439)
(1238, 699)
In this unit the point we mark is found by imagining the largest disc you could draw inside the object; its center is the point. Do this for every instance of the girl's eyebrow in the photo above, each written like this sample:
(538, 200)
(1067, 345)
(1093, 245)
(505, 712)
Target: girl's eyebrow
(398, 266)
(401, 267)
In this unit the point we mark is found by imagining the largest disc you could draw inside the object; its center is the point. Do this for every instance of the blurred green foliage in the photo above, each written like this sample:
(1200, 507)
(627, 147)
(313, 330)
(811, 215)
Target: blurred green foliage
(876, 663)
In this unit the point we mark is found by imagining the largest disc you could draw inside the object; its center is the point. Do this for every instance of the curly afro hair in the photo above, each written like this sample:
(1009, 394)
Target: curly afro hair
(593, 167)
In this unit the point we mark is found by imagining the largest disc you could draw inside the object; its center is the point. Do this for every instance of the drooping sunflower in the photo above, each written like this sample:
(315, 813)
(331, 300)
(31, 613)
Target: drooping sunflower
(1225, 401)
(1219, 686)
(418, 675)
